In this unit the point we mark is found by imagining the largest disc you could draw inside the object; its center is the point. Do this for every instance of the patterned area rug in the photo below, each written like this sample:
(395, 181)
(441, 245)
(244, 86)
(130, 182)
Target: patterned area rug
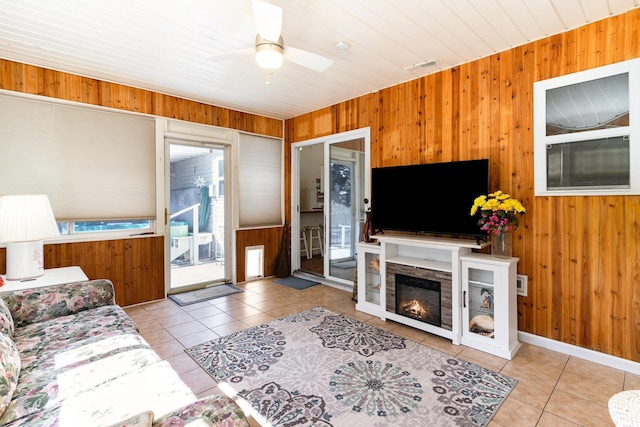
(318, 368)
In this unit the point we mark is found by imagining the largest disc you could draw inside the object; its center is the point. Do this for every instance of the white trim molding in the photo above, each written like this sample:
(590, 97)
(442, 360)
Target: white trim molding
(581, 353)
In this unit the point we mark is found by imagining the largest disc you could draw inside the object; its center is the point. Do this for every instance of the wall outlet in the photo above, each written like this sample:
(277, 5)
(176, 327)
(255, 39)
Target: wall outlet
(522, 281)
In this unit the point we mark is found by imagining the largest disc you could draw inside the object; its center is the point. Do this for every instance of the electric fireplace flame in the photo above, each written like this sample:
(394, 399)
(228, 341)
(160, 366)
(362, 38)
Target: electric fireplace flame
(418, 298)
(415, 309)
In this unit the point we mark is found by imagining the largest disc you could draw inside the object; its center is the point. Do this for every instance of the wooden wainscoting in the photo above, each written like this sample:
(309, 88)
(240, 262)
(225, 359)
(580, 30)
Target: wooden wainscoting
(269, 237)
(135, 266)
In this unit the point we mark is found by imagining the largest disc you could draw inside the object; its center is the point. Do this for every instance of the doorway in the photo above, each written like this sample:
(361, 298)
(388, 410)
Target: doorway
(329, 181)
(197, 215)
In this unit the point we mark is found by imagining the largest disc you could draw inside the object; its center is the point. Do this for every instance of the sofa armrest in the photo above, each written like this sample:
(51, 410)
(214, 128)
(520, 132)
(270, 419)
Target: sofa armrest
(48, 302)
(215, 410)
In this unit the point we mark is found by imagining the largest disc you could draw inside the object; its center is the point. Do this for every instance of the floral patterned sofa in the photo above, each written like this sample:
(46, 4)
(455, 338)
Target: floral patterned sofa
(70, 357)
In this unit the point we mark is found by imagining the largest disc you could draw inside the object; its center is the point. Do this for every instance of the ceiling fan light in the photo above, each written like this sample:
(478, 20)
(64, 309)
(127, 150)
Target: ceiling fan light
(269, 55)
(269, 59)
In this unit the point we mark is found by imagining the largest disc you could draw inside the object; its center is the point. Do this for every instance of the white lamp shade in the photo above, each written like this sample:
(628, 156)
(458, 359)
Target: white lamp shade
(25, 218)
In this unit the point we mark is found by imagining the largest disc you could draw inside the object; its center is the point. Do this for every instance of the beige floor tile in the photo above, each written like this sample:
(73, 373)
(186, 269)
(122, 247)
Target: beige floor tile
(148, 325)
(550, 358)
(258, 319)
(480, 357)
(198, 338)
(206, 311)
(516, 413)
(586, 388)
(182, 363)
(550, 420)
(281, 311)
(138, 313)
(175, 319)
(195, 306)
(529, 391)
(168, 349)
(533, 370)
(198, 380)
(596, 372)
(217, 320)
(230, 328)
(227, 303)
(184, 329)
(269, 306)
(157, 337)
(631, 381)
(243, 312)
(578, 410)
(156, 305)
(250, 298)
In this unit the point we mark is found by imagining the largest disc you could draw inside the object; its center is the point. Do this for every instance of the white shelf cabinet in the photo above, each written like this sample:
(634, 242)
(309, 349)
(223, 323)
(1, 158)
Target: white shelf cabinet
(412, 252)
(489, 304)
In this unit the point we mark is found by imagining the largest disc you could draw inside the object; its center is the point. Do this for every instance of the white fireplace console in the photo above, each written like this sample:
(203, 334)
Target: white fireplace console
(438, 259)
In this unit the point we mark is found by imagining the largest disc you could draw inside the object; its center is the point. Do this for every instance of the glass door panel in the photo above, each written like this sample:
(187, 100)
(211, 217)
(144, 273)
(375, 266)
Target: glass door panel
(311, 201)
(345, 207)
(481, 302)
(197, 215)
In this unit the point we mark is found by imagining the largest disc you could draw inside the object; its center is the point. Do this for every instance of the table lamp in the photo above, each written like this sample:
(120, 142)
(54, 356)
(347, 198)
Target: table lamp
(25, 220)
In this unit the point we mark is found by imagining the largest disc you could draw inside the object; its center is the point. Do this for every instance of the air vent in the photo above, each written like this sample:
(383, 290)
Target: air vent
(420, 66)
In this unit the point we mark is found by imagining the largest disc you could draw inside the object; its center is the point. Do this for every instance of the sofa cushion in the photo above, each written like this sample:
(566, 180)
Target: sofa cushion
(9, 371)
(36, 341)
(143, 419)
(41, 304)
(6, 320)
(216, 411)
(156, 388)
(78, 371)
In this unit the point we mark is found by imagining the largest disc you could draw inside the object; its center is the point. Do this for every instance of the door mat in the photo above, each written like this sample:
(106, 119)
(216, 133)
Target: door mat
(296, 282)
(204, 294)
(344, 264)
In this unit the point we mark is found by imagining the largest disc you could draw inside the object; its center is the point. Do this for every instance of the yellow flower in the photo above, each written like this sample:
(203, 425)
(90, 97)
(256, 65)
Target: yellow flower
(499, 212)
(477, 203)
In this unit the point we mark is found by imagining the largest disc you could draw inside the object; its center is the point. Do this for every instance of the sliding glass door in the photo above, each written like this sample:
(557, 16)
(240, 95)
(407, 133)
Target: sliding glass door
(330, 179)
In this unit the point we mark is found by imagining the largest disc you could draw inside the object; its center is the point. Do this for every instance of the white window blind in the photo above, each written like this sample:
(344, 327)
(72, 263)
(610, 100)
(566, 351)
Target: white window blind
(259, 181)
(93, 164)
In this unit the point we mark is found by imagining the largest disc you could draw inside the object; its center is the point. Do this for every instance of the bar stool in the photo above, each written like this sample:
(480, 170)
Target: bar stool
(315, 235)
(304, 248)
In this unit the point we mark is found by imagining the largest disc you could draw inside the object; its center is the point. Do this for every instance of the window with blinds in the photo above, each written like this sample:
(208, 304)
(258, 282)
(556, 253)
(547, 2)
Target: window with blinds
(260, 181)
(94, 164)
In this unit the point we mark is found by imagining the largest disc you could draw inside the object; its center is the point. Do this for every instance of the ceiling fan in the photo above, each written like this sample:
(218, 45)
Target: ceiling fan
(269, 47)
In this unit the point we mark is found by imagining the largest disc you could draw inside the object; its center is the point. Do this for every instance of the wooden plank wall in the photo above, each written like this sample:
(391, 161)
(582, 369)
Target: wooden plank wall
(134, 265)
(269, 237)
(582, 254)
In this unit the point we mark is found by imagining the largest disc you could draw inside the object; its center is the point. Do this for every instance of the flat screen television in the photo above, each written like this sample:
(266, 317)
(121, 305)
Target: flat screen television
(433, 198)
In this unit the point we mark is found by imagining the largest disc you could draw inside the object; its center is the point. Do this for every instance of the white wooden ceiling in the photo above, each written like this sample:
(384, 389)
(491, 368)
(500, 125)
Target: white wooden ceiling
(167, 45)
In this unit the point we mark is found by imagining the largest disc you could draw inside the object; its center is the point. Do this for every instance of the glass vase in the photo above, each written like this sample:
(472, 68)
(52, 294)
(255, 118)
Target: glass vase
(502, 244)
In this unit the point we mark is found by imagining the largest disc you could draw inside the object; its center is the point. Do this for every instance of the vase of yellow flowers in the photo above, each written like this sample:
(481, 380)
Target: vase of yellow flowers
(498, 217)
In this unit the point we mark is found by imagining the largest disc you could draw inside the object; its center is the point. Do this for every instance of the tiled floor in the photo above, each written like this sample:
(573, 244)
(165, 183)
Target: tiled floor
(553, 389)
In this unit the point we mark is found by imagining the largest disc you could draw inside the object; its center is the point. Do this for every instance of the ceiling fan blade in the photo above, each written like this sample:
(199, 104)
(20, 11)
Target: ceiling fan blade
(230, 55)
(268, 20)
(307, 59)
